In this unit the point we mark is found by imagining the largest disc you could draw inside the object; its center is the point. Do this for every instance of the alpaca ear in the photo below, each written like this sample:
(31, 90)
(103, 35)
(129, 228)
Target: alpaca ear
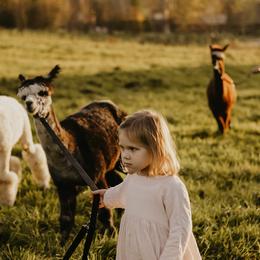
(21, 77)
(225, 47)
(53, 73)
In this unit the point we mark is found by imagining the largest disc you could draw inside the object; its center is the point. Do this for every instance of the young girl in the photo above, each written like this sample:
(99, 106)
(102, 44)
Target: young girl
(157, 221)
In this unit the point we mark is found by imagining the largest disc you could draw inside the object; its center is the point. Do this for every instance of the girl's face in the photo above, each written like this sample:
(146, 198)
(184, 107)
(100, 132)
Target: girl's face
(136, 158)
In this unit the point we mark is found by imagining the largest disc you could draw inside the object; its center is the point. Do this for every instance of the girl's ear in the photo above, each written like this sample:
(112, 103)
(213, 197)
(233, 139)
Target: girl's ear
(225, 47)
(21, 77)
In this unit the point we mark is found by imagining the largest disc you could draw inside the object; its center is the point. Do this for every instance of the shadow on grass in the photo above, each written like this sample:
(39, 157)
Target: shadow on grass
(153, 79)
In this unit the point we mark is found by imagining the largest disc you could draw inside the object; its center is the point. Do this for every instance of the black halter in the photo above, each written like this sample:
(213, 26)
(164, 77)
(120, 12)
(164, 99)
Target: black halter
(87, 228)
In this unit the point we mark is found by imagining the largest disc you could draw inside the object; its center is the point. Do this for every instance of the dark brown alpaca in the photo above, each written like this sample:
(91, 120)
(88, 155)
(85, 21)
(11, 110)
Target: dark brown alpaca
(221, 90)
(90, 135)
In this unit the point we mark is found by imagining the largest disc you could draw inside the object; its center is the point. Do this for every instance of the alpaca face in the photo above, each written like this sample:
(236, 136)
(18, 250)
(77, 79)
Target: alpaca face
(217, 55)
(36, 93)
(37, 98)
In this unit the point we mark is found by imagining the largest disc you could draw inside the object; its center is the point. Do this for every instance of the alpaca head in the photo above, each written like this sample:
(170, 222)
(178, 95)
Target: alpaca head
(217, 54)
(36, 93)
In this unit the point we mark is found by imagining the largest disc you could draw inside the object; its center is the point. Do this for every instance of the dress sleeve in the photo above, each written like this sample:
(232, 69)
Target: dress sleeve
(114, 196)
(177, 207)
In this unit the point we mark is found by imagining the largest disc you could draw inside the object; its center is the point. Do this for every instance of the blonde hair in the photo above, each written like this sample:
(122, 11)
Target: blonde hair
(151, 130)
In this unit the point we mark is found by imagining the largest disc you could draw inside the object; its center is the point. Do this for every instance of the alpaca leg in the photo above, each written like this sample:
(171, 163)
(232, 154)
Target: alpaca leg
(35, 156)
(105, 215)
(67, 197)
(220, 124)
(15, 166)
(225, 121)
(37, 162)
(8, 180)
(220, 127)
(217, 116)
(228, 122)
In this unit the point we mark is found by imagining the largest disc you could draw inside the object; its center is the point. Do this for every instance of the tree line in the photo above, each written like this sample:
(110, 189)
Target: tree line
(137, 15)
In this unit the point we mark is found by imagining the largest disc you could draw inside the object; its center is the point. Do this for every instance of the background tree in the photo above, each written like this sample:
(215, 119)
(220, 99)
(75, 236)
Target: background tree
(166, 14)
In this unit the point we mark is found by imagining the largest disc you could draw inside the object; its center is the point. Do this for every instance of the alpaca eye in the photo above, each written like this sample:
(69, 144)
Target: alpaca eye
(23, 98)
(43, 93)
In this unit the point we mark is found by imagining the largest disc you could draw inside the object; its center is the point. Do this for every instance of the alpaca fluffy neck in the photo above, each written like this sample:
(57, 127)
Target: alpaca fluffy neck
(218, 73)
(220, 69)
(61, 169)
(67, 139)
(56, 126)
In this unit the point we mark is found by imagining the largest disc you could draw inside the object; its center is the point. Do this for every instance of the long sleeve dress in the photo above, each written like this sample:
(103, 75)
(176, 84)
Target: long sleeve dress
(156, 224)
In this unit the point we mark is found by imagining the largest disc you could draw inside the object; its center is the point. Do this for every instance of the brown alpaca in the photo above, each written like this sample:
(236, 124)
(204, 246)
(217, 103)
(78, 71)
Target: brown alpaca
(91, 137)
(221, 91)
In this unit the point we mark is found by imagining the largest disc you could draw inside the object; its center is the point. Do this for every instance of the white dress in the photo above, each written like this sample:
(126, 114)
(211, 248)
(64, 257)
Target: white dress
(156, 224)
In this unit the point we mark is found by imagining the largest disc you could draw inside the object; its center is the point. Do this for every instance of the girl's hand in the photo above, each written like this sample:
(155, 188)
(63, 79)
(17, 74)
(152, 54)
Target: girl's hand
(101, 194)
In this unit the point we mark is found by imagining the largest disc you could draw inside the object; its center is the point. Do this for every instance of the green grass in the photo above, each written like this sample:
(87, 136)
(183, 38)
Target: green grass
(222, 173)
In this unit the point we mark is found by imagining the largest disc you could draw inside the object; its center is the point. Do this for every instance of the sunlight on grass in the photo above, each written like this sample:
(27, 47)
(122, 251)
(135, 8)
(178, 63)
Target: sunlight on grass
(221, 172)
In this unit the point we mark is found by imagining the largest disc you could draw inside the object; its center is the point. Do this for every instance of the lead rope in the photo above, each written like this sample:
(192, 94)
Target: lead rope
(87, 228)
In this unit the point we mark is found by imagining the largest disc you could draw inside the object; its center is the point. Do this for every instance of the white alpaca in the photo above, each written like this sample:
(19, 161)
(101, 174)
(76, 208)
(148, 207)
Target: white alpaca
(15, 126)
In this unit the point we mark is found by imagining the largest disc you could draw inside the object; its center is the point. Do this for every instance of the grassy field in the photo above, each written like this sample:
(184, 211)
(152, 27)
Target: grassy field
(222, 173)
